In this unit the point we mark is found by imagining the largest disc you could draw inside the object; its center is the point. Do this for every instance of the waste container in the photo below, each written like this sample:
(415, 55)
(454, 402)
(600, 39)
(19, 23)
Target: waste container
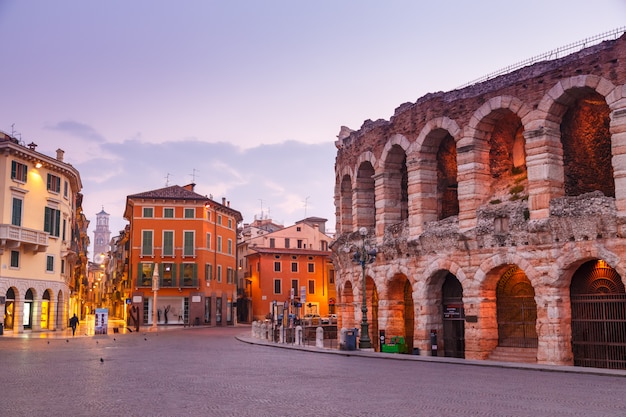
(1, 329)
(351, 339)
(396, 345)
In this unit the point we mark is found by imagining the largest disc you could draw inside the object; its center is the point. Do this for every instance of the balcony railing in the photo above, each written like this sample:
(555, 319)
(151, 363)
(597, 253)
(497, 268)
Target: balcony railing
(11, 235)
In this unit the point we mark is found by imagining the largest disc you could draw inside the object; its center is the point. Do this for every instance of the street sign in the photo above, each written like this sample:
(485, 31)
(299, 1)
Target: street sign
(303, 294)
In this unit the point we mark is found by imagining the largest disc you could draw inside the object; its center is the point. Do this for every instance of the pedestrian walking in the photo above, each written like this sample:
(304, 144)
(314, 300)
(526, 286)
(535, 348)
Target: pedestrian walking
(73, 324)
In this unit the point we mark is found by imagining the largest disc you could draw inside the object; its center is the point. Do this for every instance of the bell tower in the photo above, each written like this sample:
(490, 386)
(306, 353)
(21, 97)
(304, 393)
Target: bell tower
(101, 236)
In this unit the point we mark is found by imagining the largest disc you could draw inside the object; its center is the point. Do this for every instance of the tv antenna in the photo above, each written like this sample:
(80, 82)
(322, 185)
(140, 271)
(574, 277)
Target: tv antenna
(305, 205)
(193, 175)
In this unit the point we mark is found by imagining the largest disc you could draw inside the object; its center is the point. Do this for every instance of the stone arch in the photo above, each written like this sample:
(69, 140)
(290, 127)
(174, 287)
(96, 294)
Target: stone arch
(491, 152)
(516, 310)
(392, 184)
(598, 322)
(343, 200)
(394, 140)
(46, 312)
(345, 203)
(12, 314)
(483, 302)
(346, 306)
(453, 336)
(430, 309)
(397, 308)
(365, 191)
(544, 139)
(433, 175)
(573, 256)
(421, 144)
(484, 278)
(371, 302)
(369, 157)
(29, 308)
(447, 265)
(431, 299)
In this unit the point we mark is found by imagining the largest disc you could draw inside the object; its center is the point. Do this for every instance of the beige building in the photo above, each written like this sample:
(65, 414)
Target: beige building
(41, 243)
(499, 214)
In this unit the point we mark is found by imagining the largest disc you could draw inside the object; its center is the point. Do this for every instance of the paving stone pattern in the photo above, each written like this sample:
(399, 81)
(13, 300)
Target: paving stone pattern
(208, 372)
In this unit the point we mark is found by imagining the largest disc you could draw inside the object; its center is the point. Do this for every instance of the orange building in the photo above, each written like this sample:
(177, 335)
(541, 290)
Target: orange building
(191, 240)
(292, 260)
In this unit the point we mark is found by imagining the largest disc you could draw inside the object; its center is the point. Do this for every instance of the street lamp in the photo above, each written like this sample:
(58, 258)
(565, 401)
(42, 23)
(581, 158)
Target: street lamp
(155, 289)
(364, 256)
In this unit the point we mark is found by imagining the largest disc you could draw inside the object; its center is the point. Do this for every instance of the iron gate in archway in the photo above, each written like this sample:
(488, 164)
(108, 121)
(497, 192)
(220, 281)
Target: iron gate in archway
(599, 330)
(598, 303)
(516, 310)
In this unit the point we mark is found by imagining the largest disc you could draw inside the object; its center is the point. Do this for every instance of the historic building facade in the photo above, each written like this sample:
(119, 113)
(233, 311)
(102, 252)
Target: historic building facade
(287, 267)
(499, 215)
(183, 245)
(43, 238)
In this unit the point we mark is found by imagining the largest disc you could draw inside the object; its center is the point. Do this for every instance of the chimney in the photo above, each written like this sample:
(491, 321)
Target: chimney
(223, 201)
(190, 187)
(60, 153)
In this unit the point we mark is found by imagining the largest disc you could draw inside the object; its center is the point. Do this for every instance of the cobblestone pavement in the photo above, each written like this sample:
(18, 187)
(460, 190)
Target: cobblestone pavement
(212, 372)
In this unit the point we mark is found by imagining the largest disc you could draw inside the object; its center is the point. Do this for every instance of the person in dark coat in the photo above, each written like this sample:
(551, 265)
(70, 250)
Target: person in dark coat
(73, 324)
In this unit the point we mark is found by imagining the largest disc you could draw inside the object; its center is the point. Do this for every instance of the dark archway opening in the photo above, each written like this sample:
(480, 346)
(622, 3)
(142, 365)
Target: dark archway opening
(598, 316)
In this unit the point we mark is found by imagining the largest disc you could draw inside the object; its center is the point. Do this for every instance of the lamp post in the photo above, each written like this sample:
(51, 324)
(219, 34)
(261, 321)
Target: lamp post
(155, 289)
(364, 256)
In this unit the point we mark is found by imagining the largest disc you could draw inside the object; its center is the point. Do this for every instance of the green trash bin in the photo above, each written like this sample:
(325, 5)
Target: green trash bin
(396, 345)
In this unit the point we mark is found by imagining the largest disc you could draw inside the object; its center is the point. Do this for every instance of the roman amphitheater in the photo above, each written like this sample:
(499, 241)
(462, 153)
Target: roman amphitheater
(498, 211)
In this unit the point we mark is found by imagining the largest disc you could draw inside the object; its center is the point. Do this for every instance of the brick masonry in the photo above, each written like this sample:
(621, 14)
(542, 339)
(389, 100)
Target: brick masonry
(389, 180)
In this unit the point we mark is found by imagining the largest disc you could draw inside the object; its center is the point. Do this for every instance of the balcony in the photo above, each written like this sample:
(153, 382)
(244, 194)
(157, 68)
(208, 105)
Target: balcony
(16, 236)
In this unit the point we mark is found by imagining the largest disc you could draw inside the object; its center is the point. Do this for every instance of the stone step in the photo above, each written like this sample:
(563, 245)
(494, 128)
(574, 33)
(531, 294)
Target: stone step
(514, 354)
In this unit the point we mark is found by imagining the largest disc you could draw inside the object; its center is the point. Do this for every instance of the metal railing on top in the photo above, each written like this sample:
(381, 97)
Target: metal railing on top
(553, 54)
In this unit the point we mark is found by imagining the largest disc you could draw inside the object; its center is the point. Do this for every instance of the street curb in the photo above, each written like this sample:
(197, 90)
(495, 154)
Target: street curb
(436, 359)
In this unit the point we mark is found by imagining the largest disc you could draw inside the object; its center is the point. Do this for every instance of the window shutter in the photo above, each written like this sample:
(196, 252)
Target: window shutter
(47, 220)
(16, 219)
(139, 274)
(57, 225)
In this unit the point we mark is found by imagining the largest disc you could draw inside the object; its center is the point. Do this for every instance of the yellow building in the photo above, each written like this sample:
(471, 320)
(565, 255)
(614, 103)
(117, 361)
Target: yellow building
(41, 242)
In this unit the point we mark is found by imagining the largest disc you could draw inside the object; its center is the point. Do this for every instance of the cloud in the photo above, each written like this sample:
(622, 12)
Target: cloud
(78, 130)
(270, 180)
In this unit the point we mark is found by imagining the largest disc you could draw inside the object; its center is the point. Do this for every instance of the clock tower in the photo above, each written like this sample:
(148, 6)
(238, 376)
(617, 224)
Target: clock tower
(101, 236)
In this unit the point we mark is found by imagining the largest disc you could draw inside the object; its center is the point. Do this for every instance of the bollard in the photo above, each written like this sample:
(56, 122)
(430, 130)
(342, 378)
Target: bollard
(342, 338)
(319, 337)
(298, 340)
